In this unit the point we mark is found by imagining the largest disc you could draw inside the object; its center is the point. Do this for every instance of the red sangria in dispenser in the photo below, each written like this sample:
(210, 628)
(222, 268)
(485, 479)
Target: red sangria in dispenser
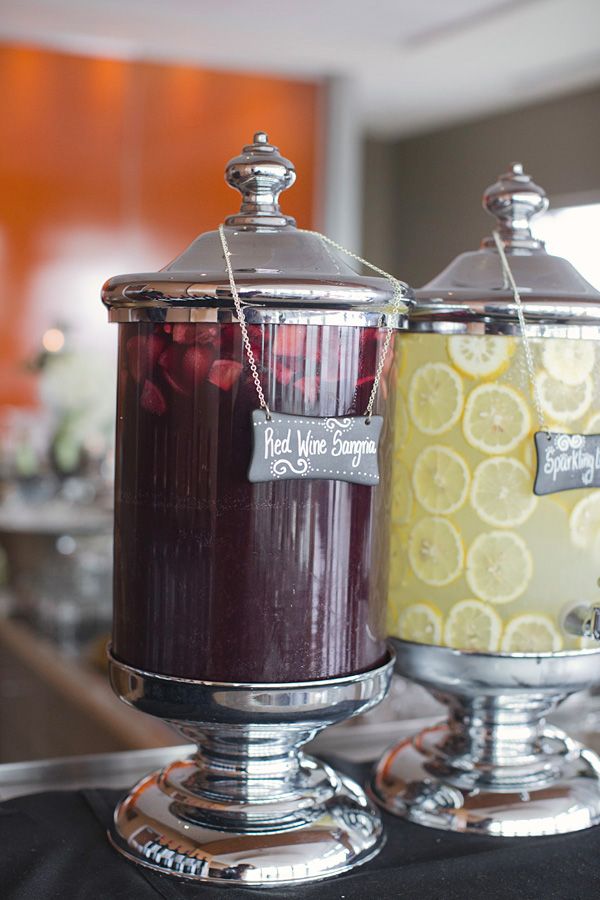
(218, 576)
(254, 434)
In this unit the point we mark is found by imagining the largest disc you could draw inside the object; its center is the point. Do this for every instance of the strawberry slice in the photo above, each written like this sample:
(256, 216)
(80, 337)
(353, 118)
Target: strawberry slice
(184, 333)
(196, 364)
(319, 396)
(207, 334)
(170, 362)
(152, 399)
(290, 340)
(143, 352)
(309, 388)
(283, 373)
(224, 373)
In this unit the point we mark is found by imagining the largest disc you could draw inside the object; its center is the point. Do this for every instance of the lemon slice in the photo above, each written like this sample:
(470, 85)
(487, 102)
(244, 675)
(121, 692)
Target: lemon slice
(480, 356)
(529, 457)
(435, 551)
(531, 633)
(499, 566)
(435, 398)
(473, 625)
(592, 425)
(402, 496)
(502, 492)
(401, 423)
(584, 521)
(569, 361)
(496, 418)
(440, 479)
(399, 357)
(564, 402)
(420, 622)
(398, 561)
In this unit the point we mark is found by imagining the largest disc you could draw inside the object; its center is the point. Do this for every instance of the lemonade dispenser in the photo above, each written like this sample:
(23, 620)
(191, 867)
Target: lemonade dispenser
(495, 564)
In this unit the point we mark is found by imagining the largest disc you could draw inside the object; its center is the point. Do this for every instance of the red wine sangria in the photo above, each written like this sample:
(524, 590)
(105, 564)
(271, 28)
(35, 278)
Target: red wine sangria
(217, 578)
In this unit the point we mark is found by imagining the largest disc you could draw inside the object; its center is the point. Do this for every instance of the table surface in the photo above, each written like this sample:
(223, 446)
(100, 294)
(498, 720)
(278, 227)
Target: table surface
(54, 814)
(54, 847)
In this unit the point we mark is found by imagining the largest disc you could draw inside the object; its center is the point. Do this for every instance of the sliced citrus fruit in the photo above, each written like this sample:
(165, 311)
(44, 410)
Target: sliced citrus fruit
(401, 424)
(596, 549)
(584, 521)
(435, 398)
(531, 633)
(529, 455)
(496, 418)
(473, 625)
(402, 495)
(499, 566)
(420, 622)
(564, 402)
(592, 426)
(440, 480)
(502, 492)
(398, 562)
(435, 551)
(480, 355)
(567, 360)
(399, 357)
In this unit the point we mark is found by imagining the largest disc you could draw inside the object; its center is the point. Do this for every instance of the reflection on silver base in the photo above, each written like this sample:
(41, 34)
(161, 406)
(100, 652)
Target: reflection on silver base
(494, 768)
(249, 807)
(569, 801)
(155, 827)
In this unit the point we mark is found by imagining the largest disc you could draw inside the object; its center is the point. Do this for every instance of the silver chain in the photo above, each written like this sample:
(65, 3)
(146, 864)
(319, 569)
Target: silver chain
(526, 344)
(242, 320)
(397, 306)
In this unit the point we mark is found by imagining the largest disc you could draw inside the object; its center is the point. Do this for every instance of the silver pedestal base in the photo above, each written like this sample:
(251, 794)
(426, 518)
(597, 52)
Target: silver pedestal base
(341, 831)
(495, 767)
(403, 785)
(249, 807)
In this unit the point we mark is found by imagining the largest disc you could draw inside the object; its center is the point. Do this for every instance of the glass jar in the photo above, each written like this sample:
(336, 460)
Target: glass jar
(216, 577)
(479, 562)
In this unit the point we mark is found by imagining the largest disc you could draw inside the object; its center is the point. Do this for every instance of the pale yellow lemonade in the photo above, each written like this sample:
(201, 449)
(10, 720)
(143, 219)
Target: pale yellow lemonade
(478, 562)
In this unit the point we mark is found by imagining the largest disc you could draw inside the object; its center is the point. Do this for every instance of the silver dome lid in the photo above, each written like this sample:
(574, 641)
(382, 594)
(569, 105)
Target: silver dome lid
(283, 274)
(471, 293)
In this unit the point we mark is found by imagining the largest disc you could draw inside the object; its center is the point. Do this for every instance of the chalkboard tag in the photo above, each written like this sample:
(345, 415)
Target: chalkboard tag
(566, 462)
(298, 447)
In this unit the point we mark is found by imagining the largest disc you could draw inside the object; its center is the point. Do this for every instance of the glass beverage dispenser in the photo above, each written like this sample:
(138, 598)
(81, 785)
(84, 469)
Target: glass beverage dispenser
(250, 611)
(496, 554)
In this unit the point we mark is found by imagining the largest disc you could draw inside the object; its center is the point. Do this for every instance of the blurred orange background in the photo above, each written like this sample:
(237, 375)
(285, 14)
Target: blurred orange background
(109, 166)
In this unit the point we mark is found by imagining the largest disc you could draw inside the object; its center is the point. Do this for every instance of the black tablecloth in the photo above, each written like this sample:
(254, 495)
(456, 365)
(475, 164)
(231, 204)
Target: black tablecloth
(53, 847)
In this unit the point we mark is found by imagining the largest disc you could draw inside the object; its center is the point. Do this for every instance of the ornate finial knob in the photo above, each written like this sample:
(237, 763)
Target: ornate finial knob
(514, 200)
(260, 173)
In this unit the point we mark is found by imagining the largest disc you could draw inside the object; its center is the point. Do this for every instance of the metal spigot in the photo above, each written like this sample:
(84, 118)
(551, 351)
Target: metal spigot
(583, 621)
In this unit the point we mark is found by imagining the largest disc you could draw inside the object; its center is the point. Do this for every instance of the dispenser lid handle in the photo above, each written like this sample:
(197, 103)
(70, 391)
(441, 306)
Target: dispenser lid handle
(514, 199)
(260, 173)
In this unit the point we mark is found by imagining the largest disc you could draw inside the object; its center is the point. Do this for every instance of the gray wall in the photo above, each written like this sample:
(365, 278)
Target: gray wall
(422, 195)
